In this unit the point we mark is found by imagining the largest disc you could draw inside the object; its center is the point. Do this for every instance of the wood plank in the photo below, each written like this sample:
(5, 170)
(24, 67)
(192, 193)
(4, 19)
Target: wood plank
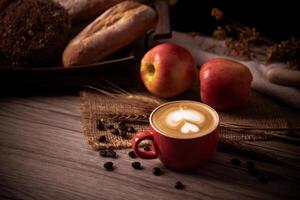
(43, 156)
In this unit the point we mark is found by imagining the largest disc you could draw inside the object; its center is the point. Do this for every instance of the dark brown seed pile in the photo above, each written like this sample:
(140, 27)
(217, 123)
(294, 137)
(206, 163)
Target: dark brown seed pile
(33, 32)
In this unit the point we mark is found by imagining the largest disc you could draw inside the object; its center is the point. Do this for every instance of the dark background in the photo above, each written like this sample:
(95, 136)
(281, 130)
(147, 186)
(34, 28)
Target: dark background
(277, 20)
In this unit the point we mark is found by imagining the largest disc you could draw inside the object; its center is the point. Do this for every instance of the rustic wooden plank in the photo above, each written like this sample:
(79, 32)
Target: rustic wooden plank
(283, 149)
(43, 156)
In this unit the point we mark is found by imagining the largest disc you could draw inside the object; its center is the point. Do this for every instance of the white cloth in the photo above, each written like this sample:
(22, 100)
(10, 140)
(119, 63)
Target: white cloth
(197, 45)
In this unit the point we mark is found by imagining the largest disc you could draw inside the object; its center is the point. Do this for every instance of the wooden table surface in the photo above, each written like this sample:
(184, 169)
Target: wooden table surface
(43, 156)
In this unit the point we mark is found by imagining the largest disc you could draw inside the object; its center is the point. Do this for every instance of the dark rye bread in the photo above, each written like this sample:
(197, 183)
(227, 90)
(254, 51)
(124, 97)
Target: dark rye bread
(32, 32)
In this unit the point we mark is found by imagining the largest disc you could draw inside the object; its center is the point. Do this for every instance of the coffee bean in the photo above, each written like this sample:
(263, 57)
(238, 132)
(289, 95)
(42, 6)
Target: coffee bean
(123, 133)
(102, 139)
(136, 165)
(130, 129)
(99, 125)
(111, 153)
(156, 171)
(115, 131)
(108, 153)
(121, 125)
(254, 172)
(250, 165)
(103, 153)
(179, 185)
(235, 161)
(132, 154)
(108, 166)
(110, 126)
(147, 148)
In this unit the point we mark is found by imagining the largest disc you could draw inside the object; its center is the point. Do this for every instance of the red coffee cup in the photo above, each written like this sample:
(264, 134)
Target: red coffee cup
(178, 153)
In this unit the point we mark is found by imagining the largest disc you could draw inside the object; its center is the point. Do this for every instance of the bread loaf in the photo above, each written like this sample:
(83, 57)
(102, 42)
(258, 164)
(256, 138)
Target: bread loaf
(81, 10)
(114, 29)
(284, 76)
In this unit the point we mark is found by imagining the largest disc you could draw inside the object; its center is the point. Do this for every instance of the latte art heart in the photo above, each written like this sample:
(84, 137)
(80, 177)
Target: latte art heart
(186, 118)
(188, 127)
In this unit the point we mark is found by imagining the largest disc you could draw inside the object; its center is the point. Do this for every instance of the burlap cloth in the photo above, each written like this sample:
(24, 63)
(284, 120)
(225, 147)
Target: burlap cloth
(260, 112)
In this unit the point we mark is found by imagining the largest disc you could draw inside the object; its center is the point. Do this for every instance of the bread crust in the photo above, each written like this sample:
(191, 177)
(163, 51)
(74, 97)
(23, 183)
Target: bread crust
(81, 10)
(114, 29)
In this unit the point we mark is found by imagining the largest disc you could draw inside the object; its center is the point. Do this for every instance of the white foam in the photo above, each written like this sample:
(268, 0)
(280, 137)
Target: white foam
(188, 127)
(190, 118)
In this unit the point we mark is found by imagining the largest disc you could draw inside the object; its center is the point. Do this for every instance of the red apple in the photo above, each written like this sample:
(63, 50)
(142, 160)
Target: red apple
(167, 70)
(224, 84)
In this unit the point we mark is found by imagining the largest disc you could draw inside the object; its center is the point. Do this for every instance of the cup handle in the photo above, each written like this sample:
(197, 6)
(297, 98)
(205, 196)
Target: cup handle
(137, 139)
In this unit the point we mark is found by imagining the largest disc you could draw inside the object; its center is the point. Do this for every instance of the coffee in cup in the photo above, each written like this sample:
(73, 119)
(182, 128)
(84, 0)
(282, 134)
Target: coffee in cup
(184, 135)
(184, 119)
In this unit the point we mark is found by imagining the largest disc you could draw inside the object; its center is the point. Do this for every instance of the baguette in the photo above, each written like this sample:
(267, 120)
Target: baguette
(81, 10)
(284, 76)
(114, 29)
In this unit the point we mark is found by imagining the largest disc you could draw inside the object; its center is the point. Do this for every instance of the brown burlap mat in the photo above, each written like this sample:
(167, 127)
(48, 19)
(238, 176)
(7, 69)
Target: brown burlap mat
(260, 112)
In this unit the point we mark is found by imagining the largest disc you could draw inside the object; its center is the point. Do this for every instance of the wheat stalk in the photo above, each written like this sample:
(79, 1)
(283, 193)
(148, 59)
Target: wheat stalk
(133, 118)
(147, 104)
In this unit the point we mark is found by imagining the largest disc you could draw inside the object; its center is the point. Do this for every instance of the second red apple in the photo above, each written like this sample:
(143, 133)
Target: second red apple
(224, 84)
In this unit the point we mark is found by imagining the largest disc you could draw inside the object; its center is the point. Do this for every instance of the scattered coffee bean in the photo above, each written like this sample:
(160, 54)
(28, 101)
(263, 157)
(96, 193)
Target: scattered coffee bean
(108, 153)
(235, 161)
(254, 172)
(130, 129)
(136, 165)
(263, 179)
(179, 185)
(121, 125)
(99, 125)
(111, 153)
(103, 153)
(110, 126)
(250, 165)
(123, 133)
(132, 154)
(147, 148)
(156, 171)
(102, 139)
(115, 131)
(108, 166)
